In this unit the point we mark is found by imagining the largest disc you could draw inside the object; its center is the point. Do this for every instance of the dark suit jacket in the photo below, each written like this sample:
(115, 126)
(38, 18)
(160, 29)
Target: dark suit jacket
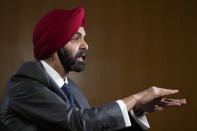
(33, 102)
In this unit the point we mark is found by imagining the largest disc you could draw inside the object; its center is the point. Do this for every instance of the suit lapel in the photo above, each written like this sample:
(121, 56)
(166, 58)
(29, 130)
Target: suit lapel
(52, 85)
(80, 99)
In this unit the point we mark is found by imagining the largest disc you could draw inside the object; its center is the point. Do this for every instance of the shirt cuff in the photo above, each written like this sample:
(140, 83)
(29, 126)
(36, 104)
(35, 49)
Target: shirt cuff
(142, 121)
(124, 112)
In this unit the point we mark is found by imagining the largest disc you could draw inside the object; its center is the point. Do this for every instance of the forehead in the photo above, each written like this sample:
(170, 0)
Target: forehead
(81, 31)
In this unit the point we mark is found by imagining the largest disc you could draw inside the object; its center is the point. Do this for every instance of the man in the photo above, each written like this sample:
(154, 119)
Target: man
(40, 96)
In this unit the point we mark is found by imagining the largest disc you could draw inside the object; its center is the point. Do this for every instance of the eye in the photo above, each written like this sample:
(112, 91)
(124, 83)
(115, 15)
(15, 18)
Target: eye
(76, 39)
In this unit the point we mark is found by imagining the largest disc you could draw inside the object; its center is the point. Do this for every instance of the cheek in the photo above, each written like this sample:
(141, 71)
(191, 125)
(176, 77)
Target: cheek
(72, 50)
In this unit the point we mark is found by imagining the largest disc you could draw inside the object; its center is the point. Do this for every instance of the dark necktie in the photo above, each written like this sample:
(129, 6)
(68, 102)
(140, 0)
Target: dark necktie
(67, 91)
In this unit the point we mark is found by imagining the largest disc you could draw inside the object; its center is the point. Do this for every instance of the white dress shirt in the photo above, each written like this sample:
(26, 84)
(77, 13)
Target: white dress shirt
(142, 121)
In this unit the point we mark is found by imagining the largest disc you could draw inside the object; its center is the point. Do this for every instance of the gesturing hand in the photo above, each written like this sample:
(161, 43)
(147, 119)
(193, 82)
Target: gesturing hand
(153, 99)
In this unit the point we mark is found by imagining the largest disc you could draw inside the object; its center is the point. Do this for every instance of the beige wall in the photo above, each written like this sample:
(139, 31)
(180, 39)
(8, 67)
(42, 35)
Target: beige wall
(133, 44)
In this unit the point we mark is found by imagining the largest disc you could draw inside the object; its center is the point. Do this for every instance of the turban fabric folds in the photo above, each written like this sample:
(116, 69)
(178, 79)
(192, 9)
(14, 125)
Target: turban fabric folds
(55, 29)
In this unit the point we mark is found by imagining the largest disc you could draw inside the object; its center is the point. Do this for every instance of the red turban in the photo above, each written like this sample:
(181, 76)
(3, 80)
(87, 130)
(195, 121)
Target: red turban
(55, 29)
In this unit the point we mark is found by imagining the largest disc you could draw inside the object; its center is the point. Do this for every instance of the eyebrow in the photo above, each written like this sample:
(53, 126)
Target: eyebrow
(78, 33)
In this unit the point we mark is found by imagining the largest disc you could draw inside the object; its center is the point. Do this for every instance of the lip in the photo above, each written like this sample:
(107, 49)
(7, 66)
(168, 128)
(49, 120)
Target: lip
(81, 58)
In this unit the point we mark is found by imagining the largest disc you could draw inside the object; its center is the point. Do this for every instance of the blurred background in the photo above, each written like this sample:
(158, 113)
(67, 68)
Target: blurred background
(133, 44)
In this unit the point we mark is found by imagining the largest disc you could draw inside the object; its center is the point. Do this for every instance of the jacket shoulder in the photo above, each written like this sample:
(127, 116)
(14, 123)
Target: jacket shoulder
(31, 70)
(27, 66)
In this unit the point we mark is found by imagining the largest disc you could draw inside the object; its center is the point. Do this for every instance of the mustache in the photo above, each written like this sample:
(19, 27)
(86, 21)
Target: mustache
(81, 53)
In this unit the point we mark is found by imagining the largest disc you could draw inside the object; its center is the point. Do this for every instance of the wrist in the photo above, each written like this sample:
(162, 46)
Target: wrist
(138, 109)
(130, 101)
(137, 98)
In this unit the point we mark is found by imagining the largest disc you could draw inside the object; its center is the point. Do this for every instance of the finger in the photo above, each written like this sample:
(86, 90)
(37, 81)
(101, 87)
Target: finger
(166, 92)
(158, 108)
(183, 101)
(171, 102)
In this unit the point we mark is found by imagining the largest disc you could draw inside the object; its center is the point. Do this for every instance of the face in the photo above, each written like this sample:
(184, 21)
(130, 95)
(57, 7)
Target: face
(75, 52)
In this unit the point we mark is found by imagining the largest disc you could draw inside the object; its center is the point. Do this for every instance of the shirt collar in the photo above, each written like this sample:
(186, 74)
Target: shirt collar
(54, 74)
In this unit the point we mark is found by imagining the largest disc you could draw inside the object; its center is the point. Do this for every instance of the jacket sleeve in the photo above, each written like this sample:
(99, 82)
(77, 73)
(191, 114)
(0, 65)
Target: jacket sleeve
(34, 101)
(135, 126)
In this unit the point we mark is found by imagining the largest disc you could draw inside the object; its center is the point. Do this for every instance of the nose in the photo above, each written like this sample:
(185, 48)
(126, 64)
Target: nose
(84, 45)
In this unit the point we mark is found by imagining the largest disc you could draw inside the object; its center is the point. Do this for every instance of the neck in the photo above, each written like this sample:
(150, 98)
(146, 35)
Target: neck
(55, 63)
